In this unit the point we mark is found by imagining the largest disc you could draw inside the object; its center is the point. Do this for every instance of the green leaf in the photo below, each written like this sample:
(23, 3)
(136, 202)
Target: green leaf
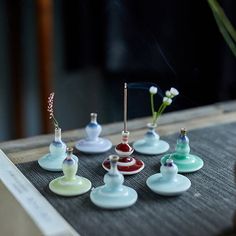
(224, 25)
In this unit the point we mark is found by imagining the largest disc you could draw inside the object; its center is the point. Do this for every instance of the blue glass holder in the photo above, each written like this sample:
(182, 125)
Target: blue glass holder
(168, 182)
(113, 195)
(185, 161)
(93, 143)
(57, 153)
(151, 143)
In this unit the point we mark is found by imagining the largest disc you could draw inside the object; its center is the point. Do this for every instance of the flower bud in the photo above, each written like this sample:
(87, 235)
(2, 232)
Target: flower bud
(167, 101)
(153, 90)
(168, 93)
(174, 91)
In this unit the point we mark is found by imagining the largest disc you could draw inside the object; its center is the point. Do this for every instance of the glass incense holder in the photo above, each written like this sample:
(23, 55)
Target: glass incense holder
(113, 195)
(168, 182)
(127, 164)
(93, 143)
(57, 153)
(185, 161)
(70, 184)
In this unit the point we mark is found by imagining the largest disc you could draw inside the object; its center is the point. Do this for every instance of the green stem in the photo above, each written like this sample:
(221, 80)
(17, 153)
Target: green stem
(55, 122)
(159, 112)
(160, 108)
(152, 104)
(163, 108)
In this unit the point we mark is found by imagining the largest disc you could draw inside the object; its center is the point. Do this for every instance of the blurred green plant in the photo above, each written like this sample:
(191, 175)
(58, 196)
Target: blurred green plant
(224, 24)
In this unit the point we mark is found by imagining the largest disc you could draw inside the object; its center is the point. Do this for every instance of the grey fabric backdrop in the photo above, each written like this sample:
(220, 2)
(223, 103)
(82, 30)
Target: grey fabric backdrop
(206, 209)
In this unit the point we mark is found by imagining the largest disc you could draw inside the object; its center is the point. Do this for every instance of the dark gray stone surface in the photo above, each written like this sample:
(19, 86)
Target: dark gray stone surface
(206, 209)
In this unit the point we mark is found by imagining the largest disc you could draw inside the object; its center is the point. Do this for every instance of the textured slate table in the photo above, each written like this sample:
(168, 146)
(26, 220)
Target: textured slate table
(206, 209)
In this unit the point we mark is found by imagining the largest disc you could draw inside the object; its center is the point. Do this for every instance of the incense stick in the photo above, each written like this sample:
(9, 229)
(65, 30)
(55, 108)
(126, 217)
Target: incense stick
(125, 107)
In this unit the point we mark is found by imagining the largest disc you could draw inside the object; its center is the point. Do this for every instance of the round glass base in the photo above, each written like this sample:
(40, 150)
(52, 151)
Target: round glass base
(190, 163)
(53, 162)
(163, 187)
(91, 147)
(154, 148)
(78, 186)
(126, 165)
(106, 198)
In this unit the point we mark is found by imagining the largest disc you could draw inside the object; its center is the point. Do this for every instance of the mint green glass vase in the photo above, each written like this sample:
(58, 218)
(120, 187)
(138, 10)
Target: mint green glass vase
(185, 161)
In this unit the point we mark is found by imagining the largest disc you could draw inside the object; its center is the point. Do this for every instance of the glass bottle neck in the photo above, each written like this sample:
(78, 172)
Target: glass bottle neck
(113, 163)
(113, 169)
(57, 135)
(69, 153)
(93, 117)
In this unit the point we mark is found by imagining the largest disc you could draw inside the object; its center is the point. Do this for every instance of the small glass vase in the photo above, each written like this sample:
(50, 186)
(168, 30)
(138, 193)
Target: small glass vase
(168, 182)
(151, 136)
(151, 144)
(70, 184)
(182, 157)
(57, 153)
(113, 194)
(57, 146)
(93, 129)
(92, 143)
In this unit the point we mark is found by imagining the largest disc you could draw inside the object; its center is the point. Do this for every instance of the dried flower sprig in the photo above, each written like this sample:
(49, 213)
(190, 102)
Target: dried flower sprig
(167, 100)
(50, 110)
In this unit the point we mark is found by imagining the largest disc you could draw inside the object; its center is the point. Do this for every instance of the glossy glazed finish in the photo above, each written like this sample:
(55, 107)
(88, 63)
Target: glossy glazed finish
(93, 129)
(168, 182)
(93, 143)
(185, 161)
(78, 186)
(151, 143)
(127, 165)
(113, 195)
(69, 167)
(57, 153)
(70, 184)
(151, 136)
(123, 149)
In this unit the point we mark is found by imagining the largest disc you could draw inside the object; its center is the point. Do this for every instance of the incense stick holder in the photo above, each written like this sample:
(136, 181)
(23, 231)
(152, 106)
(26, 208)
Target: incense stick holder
(113, 195)
(93, 143)
(185, 161)
(70, 184)
(127, 164)
(168, 182)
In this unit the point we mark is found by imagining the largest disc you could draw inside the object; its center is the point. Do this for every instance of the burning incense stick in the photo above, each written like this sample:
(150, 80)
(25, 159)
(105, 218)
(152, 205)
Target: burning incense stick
(125, 107)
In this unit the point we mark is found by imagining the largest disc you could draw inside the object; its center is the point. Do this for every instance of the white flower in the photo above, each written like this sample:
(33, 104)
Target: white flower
(174, 91)
(153, 90)
(168, 93)
(167, 101)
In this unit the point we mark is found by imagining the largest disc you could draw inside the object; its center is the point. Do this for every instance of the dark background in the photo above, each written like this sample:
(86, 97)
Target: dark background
(98, 45)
